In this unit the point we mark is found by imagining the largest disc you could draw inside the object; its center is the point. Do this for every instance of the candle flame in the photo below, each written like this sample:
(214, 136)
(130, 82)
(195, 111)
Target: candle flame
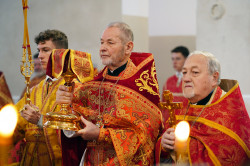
(8, 120)
(182, 131)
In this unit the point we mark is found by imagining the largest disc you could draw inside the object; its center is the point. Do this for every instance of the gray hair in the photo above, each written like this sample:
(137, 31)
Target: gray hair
(212, 63)
(127, 33)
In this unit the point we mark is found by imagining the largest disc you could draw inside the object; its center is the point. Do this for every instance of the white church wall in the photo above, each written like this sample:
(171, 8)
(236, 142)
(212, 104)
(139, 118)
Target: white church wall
(171, 23)
(223, 28)
(135, 14)
(172, 18)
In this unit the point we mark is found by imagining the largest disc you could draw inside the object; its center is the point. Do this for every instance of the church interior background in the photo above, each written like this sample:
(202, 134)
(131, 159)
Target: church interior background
(221, 27)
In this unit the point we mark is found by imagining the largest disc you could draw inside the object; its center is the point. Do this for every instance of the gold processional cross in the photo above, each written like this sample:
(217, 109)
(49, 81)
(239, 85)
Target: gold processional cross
(170, 106)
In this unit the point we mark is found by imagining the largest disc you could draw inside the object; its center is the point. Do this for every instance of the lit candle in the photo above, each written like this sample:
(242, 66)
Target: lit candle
(182, 131)
(8, 121)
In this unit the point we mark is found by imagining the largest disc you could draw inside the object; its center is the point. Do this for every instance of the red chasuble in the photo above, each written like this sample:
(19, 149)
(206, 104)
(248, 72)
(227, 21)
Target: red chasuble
(130, 118)
(221, 135)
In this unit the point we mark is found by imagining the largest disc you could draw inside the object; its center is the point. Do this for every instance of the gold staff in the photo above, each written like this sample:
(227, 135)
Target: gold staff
(27, 67)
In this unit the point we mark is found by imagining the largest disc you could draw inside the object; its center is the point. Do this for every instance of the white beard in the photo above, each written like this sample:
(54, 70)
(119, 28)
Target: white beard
(189, 95)
(106, 62)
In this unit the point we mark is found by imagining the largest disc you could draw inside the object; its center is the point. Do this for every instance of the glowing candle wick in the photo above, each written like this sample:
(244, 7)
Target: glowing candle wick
(182, 131)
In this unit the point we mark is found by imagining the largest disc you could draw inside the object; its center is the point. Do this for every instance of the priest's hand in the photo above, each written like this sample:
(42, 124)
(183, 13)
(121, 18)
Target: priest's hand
(90, 132)
(64, 95)
(168, 139)
(31, 113)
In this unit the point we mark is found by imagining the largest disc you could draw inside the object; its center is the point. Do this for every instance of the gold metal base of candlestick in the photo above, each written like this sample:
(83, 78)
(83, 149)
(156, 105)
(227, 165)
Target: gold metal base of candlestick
(58, 120)
(69, 64)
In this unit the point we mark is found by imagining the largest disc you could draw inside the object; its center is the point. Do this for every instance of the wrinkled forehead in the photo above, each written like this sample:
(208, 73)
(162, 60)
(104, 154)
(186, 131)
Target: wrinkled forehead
(195, 61)
(111, 33)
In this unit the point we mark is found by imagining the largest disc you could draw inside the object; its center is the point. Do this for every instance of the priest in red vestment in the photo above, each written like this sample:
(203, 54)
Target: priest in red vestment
(119, 107)
(216, 113)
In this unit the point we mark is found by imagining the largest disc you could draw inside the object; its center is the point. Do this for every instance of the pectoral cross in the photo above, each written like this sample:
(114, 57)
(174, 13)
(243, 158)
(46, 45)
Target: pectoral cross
(170, 106)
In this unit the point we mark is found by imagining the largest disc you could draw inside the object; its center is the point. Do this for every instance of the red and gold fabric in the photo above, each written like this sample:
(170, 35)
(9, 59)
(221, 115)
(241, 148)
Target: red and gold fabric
(42, 144)
(221, 135)
(78, 62)
(5, 96)
(131, 118)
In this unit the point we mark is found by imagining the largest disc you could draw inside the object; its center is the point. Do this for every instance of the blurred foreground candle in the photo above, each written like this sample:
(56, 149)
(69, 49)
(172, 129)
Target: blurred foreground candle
(182, 131)
(8, 121)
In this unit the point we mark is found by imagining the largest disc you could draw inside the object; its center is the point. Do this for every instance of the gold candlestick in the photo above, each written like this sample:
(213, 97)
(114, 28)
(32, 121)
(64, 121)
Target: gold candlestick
(63, 119)
(75, 64)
